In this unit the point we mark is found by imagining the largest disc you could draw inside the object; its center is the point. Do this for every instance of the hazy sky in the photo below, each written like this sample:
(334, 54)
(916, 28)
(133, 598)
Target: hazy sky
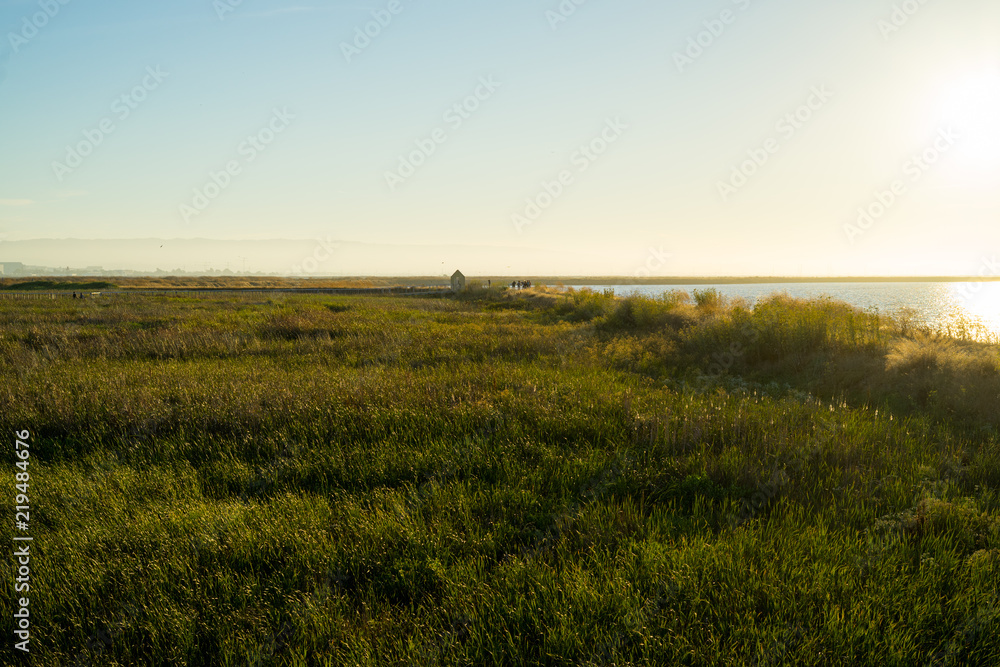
(731, 137)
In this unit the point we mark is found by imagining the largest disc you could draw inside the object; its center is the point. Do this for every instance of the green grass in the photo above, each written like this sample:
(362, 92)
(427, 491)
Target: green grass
(503, 480)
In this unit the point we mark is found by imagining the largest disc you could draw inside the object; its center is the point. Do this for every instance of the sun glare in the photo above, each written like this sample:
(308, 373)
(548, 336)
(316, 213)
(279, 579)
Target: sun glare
(979, 302)
(971, 104)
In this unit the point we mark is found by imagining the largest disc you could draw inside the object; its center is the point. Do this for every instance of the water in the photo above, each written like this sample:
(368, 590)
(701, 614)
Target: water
(935, 304)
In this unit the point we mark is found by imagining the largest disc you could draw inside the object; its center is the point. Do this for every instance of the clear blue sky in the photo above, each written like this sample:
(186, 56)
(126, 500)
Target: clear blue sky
(673, 129)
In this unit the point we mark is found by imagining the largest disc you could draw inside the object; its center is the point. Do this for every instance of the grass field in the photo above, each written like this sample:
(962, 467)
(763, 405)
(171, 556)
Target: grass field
(502, 480)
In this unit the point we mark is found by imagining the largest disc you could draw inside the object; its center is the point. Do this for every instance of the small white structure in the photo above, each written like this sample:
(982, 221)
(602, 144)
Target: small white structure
(457, 282)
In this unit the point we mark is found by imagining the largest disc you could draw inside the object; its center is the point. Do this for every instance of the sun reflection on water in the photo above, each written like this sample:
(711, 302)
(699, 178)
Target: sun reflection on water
(976, 307)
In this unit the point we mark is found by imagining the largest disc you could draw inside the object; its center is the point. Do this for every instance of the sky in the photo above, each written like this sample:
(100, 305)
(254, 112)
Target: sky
(544, 137)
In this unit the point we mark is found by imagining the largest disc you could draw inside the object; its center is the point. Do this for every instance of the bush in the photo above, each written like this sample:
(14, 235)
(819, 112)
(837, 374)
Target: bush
(708, 298)
(955, 378)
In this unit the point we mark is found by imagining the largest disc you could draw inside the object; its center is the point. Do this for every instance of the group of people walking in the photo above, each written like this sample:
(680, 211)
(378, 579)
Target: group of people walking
(520, 284)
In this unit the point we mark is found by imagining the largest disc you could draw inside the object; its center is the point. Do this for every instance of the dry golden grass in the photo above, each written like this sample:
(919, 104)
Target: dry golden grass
(234, 282)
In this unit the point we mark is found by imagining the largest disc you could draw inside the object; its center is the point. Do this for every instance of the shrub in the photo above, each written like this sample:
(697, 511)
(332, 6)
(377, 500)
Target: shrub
(954, 377)
(709, 298)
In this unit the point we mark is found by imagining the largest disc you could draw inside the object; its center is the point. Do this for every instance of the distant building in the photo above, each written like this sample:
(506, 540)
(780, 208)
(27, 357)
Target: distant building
(11, 269)
(457, 282)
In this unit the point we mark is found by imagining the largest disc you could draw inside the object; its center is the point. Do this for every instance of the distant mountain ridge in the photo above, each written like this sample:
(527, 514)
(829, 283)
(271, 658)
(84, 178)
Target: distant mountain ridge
(275, 256)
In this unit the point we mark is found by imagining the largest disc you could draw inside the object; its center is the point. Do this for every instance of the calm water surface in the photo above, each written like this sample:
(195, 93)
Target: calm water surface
(935, 304)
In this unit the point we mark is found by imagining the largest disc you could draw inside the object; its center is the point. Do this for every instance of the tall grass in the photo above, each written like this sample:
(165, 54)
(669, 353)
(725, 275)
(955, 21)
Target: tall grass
(503, 479)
